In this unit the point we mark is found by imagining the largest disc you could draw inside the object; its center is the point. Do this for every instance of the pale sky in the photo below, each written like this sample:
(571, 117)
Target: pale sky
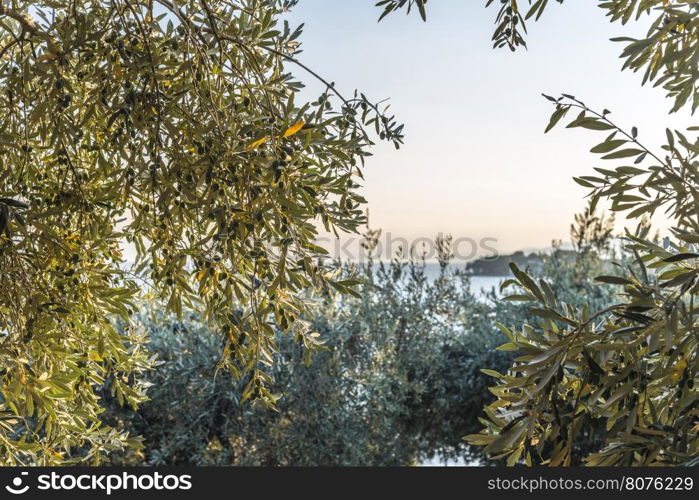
(476, 162)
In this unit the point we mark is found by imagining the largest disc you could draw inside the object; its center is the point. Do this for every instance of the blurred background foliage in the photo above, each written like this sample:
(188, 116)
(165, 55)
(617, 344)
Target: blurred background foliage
(398, 381)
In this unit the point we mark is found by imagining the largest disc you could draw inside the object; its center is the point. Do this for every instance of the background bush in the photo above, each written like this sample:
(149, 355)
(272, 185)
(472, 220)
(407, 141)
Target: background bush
(399, 379)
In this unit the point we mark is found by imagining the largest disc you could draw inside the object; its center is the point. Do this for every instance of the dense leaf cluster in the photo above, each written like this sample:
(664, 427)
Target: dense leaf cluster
(630, 368)
(157, 146)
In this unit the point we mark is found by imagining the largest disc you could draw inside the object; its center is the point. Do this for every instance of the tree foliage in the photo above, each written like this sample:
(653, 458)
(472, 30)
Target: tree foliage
(630, 367)
(571, 273)
(170, 129)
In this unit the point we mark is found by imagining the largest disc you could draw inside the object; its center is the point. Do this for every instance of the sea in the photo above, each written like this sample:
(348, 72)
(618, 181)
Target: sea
(480, 285)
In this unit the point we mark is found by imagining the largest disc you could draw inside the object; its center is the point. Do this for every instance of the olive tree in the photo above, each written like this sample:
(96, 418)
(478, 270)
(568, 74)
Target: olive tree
(630, 368)
(171, 130)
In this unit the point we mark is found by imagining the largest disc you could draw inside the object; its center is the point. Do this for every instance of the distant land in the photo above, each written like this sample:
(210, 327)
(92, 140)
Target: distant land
(500, 265)
(531, 259)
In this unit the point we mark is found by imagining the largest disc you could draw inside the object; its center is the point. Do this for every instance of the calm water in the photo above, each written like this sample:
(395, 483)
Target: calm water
(480, 285)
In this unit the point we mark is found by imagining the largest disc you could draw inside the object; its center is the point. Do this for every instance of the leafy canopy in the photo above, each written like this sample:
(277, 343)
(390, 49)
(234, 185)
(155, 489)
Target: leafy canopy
(630, 367)
(170, 130)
